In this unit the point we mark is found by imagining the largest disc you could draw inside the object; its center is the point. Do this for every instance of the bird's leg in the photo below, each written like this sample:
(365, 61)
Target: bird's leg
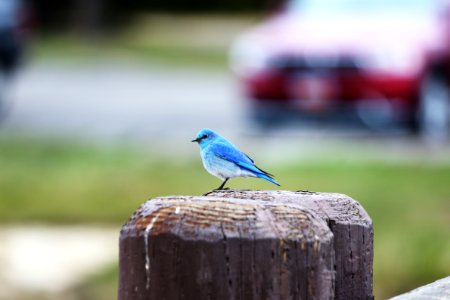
(220, 188)
(223, 184)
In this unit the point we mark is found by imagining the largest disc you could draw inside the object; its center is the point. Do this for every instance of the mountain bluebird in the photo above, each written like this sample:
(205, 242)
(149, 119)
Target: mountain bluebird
(224, 160)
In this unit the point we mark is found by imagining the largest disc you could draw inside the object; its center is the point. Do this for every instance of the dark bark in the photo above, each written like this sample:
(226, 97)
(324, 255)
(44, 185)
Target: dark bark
(352, 229)
(222, 248)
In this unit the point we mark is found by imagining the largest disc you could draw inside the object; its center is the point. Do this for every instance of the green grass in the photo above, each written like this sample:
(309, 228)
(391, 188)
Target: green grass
(102, 286)
(57, 182)
(73, 49)
(152, 38)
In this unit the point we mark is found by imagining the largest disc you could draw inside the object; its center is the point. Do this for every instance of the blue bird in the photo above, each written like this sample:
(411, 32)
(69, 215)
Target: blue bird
(224, 160)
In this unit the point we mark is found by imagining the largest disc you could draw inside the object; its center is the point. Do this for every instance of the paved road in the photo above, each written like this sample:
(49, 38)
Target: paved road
(47, 261)
(107, 100)
(128, 102)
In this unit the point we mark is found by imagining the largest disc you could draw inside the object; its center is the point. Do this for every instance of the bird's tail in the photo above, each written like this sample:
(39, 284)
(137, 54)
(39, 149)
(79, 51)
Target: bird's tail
(257, 172)
(268, 178)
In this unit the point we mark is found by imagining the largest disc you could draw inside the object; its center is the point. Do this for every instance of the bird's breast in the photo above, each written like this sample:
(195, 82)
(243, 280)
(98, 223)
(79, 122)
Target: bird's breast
(222, 168)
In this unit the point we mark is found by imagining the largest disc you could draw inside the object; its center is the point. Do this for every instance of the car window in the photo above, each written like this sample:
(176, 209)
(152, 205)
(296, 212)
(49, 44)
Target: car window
(361, 6)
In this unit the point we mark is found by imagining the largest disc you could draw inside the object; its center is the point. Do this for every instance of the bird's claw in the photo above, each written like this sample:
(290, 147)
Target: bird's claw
(207, 193)
(305, 192)
(216, 190)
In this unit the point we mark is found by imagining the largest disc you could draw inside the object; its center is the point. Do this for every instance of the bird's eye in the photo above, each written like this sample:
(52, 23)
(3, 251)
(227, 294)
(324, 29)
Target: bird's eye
(205, 136)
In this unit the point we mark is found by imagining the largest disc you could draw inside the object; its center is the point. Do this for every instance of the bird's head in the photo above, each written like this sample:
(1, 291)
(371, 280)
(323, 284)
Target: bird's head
(204, 136)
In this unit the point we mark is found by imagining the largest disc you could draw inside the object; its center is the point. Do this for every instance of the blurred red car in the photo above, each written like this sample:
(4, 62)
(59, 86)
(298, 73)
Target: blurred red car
(383, 62)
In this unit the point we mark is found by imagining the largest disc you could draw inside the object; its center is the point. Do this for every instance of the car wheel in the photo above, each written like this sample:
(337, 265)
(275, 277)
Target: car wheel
(433, 113)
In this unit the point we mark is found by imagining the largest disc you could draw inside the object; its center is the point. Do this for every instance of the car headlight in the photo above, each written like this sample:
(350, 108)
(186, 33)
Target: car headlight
(397, 60)
(248, 55)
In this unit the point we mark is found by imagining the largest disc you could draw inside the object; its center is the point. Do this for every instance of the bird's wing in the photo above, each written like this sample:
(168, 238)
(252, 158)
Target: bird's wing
(251, 159)
(229, 152)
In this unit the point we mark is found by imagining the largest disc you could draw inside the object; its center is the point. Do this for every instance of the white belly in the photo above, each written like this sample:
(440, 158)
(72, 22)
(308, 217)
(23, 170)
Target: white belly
(222, 168)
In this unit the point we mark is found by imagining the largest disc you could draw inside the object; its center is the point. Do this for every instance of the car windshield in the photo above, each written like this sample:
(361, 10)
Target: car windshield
(360, 6)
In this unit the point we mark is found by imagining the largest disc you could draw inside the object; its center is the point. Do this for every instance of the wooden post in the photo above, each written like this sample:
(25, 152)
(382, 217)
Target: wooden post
(243, 245)
(438, 290)
(352, 229)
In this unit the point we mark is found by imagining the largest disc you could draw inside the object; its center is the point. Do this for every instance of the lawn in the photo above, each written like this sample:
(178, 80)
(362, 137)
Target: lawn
(152, 38)
(60, 182)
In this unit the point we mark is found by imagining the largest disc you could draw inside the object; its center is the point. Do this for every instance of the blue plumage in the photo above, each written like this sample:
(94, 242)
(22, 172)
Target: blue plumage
(225, 161)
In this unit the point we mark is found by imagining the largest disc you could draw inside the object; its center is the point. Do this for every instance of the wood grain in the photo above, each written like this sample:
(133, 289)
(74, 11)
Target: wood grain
(226, 248)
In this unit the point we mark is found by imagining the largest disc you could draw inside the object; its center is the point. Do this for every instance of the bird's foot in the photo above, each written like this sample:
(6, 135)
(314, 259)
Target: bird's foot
(305, 192)
(215, 190)
(207, 193)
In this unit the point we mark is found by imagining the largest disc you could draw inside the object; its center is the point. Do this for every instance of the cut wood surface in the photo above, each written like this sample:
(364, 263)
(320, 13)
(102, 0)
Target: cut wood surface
(247, 245)
(352, 229)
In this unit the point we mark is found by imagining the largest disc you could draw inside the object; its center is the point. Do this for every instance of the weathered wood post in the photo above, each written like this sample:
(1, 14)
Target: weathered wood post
(352, 230)
(247, 245)
(438, 290)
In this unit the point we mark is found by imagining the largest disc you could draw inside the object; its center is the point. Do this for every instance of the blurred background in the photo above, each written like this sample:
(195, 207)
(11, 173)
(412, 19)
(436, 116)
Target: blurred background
(99, 100)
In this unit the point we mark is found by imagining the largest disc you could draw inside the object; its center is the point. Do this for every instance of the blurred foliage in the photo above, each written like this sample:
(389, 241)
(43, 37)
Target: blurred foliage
(101, 286)
(83, 52)
(153, 38)
(93, 16)
(55, 182)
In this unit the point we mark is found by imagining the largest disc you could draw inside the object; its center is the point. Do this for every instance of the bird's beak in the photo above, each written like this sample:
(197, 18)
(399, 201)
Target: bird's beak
(196, 140)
